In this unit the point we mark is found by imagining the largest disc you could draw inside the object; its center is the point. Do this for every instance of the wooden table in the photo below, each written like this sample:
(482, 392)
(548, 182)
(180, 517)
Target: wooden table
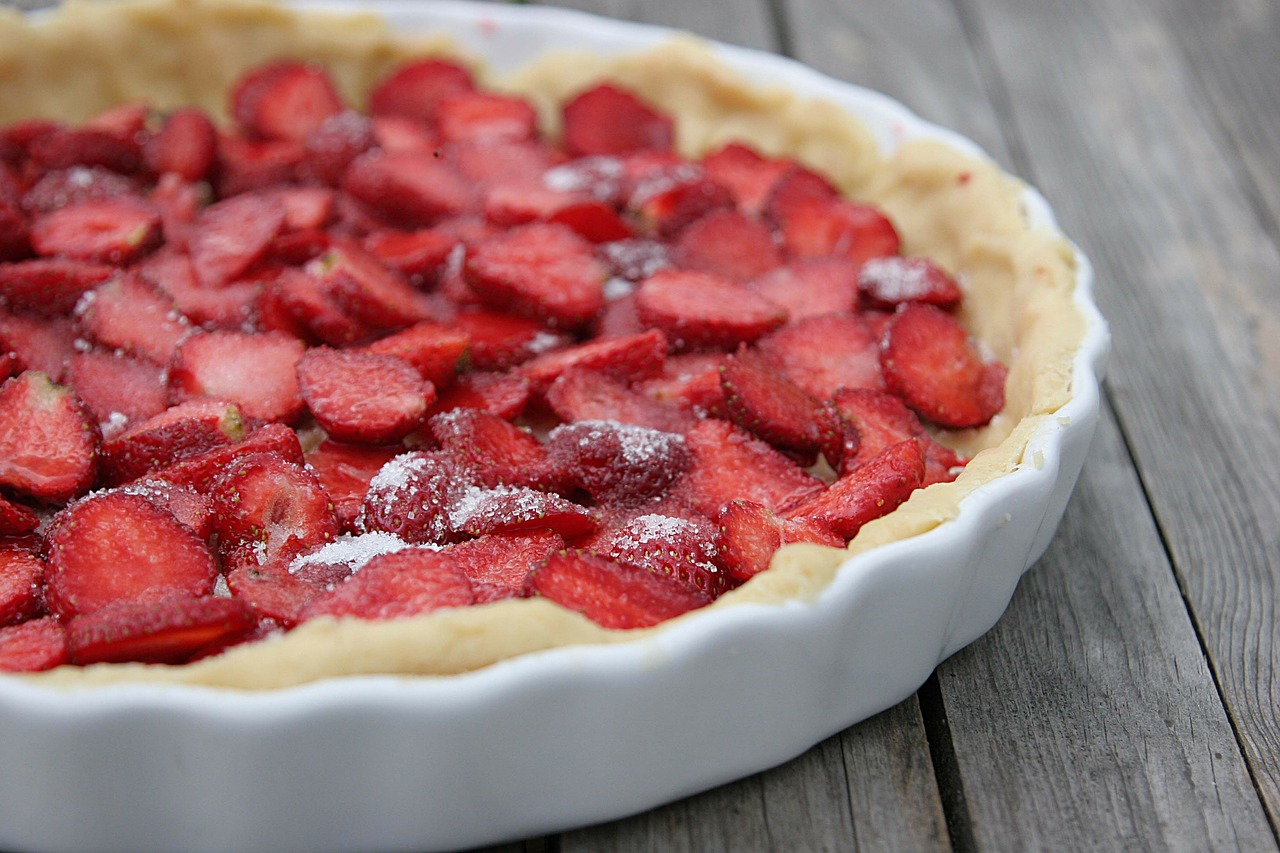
(1128, 698)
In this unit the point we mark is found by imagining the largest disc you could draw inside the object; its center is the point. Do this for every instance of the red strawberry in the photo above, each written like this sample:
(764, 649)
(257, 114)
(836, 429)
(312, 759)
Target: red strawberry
(751, 533)
(796, 186)
(539, 270)
(415, 89)
(246, 165)
(419, 255)
(729, 244)
(690, 381)
(400, 135)
(58, 188)
(271, 592)
(130, 314)
(256, 371)
(811, 288)
(666, 199)
(698, 310)
(878, 418)
(15, 519)
(410, 495)
(116, 547)
(268, 509)
(478, 511)
(49, 286)
(64, 147)
(746, 173)
(492, 451)
(117, 389)
(35, 645)
(192, 509)
(405, 583)
(612, 594)
(633, 357)
(619, 318)
(826, 353)
(729, 464)
(48, 440)
(187, 429)
(501, 394)
(871, 490)
(618, 463)
(408, 188)
(363, 397)
(112, 231)
(493, 162)
(199, 472)
(21, 585)
(499, 566)
(762, 401)
(334, 143)
(186, 145)
(170, 631)
(889, 281)
(302, 305)
(608, 120)
(37, 344)
(230, 306)
(499, 341)
(683, 549)
(928, 358)
(485, 117)
(345, 471)
(232, 234)
(285, 100)
(816, 227)
(362, 286)
(436, 351)
(179, 203)
(585, 395)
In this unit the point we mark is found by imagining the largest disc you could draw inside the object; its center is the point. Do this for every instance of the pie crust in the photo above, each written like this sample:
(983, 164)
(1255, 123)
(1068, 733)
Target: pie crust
(961, 210)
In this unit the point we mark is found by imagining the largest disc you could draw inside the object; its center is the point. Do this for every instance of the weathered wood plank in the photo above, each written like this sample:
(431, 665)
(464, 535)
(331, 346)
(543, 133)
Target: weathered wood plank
(1123, 142)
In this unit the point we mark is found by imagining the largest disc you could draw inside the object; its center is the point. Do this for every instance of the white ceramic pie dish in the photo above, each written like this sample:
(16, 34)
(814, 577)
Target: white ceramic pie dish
(558, 738)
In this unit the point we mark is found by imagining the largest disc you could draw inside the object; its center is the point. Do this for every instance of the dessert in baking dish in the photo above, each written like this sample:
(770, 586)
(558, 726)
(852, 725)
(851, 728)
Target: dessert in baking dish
(334, 355)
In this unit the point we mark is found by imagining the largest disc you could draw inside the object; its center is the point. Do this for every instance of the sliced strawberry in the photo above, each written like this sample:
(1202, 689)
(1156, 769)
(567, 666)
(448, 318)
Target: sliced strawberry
(665, 200)
(749, 175)
(586, 395)
(499, 341)
(751, 533)
(65, 147)
(21, 585)
(415, 89)
(116, 547)
(410, 495)
(257, 371)
(407, 188)
(764, 402)
(32, 646)
(836, 227)
(58, 188)
(117, 389)
(362, 286)
(613, 595)
(499, 566)
(690, 381)
(199, 472)
(619, 318)
(501, 394)
(478, 511)
(811, 288)
(363, 397)
(401, 135)
(284, 100)
(880, 420)
(48, 440)
(616, 462)
(436, 351)
(494, 162)
(823, 354)
(186, 145)
(170, 631)
(729, 244)
(345, 471)
(271, 592)
(231, 306)
(179, 203)
(302, 305)
(16, 519)
(405, 583)
(608, 120)
(191, 508)
(633, 357)
(683, 549)
(15, 243)
(268, 509)
(131, 314)
(889, 281)
(334, 143)
(729, 464)
(332, 563)
(44, 344)
(485, 116)
(246, 165)
(603, 178)
(866, 493)
(698, 310)
(419, 255)
(492, 451)
(796, 186)
(112, 231)
(49, 286)
(187, 429)
(233, 234)
(539, 270)
(929, 359)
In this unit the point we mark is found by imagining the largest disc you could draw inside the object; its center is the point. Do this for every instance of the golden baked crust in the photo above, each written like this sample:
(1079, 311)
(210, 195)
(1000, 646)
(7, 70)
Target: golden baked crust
(959, 210)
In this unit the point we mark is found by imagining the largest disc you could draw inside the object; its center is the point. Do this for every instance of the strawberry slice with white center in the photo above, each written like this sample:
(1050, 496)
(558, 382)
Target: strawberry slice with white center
(48, 440)
(169, 631)
(110, 231)
(257, 371)
(890, 281)
(116, 547)
(118, 389)
(612, 594)
(129, 313)
(363, 397)
(824, 354)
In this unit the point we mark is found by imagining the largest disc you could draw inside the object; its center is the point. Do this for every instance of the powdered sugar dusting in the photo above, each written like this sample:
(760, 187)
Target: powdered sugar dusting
(896, 279)
(351, 551)
(477, 501)
(599, 176)
(638, 445)
(616, 287)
